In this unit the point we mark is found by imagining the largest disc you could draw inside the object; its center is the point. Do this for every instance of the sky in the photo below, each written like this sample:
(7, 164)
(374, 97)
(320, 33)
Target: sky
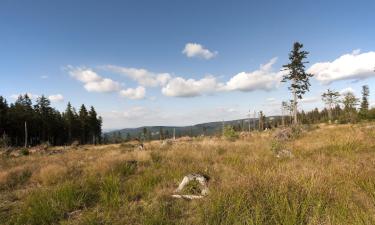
(175, 62)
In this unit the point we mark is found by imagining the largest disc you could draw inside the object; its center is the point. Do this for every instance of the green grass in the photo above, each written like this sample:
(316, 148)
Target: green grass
(329, 181)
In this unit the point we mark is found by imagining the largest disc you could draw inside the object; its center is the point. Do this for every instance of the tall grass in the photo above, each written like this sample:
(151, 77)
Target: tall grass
(329, 181)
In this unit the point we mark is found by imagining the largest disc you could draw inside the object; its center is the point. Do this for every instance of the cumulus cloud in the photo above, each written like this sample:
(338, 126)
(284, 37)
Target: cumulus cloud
(355, 65)
(181, 87)
(346, 90)
(310, 99)
(134, 93)
(56, 98)
(196, 50)
(92, 81)
(142, 76)
(262, 79)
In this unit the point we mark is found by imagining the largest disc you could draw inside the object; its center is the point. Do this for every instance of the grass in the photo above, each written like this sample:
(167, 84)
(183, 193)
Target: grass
(330, 180)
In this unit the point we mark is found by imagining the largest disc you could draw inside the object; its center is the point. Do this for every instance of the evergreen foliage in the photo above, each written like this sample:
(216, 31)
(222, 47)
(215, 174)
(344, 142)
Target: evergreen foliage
(46, 124)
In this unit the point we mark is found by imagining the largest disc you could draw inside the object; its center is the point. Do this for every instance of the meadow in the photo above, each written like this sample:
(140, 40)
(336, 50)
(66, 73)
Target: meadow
(329, 178)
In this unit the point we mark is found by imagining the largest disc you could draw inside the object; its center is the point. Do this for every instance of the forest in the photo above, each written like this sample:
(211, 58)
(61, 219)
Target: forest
(25, 124)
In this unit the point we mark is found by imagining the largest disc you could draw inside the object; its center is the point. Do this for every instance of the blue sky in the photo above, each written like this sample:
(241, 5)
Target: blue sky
(181, 62)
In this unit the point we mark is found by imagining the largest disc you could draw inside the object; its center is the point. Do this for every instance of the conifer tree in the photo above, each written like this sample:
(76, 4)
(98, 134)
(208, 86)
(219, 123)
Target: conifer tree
(330, 98)
(297, 76)
(364, 103)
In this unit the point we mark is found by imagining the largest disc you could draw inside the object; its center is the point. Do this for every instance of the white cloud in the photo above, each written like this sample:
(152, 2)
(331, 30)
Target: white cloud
(310, 100)
(56, 98)
(262, 79)
(142, 76)
(134, 93)
(196, 50)
(346, 90)
(92, 81)
(355, 65)
(104, 85)
(44, 77)
(180, 87)
(271, 99)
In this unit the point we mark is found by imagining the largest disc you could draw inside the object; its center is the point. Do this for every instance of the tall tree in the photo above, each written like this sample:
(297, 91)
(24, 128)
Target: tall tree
(364, 103)
(94, 124)
(71, 122)
(3, 115)
(44, 116)
(350, 101)
(330, 98)
(296, 75)
(84, 121)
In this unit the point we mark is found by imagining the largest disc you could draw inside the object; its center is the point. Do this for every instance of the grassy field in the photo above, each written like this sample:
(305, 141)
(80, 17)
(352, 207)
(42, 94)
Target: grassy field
(330, 179)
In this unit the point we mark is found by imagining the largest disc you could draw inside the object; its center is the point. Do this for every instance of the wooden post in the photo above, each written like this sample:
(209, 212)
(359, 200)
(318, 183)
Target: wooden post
(174, 133)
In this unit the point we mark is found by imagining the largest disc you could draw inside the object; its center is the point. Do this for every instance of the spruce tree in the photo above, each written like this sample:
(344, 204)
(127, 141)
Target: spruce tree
(296, 75)
(330, 98)
(364, 103)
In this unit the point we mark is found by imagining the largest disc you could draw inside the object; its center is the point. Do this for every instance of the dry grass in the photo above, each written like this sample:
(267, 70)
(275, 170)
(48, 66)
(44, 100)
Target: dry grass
(330, 180)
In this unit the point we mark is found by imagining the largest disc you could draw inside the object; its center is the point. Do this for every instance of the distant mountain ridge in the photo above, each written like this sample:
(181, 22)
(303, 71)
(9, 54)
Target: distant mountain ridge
(209, 128)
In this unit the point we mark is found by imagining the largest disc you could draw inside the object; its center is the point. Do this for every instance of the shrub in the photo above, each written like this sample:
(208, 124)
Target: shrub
(230, 133)
(25, 151)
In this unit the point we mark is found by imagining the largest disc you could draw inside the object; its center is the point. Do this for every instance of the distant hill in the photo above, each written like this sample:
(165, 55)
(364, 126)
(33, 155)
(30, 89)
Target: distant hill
(208, 129)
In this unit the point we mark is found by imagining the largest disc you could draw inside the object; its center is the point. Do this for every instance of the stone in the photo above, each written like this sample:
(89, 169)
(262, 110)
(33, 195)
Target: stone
(202, 180)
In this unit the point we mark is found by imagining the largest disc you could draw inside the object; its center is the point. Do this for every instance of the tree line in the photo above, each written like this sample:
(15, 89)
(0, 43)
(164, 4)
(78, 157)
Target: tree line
(25, 124)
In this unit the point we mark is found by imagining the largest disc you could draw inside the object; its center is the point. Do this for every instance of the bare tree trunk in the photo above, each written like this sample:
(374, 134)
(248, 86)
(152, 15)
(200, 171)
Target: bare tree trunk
(25, 134)
(295, 121)
(330, 113)
(250, 121)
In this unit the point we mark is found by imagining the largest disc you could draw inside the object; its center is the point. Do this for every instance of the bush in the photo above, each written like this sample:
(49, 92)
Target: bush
(230, 133)
(25, 151)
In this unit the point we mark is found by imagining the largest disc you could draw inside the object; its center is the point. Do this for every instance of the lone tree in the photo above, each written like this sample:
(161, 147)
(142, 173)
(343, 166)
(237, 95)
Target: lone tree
(297, 75)
(330, 98)
(364, 103)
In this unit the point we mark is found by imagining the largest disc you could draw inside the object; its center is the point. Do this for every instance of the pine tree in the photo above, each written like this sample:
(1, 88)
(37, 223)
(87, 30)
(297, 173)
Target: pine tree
(296, 75)
(4, 108)
(330, 98)
(363, 112)
(84, 122)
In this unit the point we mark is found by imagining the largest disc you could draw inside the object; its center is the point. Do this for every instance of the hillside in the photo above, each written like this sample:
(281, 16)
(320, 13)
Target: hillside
(316, 175)
(208, 129)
